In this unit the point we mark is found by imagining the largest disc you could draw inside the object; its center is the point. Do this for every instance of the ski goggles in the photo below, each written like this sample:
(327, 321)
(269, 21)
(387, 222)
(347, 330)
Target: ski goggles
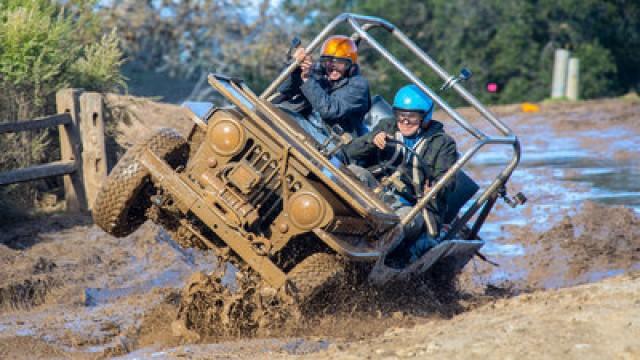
(407, 117)
(330, 60)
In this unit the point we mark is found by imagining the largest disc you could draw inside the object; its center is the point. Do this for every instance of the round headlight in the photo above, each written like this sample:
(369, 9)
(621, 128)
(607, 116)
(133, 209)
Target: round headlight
(306, 210)
(226, 137)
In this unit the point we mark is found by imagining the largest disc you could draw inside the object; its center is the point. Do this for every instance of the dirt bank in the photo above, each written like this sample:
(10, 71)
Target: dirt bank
(594, 321)
(597, 242)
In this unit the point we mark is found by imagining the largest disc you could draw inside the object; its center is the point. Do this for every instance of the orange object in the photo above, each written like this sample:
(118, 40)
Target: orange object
(340, 46)
(529, 107)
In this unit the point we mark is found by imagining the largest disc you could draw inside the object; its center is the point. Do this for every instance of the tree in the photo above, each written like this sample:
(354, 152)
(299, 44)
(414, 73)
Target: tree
(510, 41)
(188, 39)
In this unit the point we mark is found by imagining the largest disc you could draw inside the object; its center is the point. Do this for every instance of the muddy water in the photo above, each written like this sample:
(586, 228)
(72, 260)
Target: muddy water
(561, 169)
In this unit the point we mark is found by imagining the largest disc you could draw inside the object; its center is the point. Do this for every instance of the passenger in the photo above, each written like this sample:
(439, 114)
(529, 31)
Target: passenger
(413, 126)
(333, 88)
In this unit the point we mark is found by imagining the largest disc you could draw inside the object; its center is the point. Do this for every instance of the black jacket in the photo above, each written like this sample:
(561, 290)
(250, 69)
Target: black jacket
(344, 102)
(439, 153)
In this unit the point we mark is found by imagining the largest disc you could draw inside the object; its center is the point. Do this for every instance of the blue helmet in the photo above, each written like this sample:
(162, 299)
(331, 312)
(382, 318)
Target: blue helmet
(411, 98)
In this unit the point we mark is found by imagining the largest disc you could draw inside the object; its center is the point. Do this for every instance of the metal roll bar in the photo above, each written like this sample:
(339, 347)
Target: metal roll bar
(508, 138)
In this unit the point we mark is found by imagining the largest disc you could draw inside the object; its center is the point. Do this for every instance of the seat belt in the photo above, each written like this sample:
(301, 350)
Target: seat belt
(428, 218)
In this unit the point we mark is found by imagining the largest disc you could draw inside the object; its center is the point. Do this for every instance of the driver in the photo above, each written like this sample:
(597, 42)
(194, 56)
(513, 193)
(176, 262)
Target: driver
(413, 127)
(333, 88)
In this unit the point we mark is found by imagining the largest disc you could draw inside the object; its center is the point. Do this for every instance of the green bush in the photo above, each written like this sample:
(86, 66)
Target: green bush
(99, 68)
(597, 70)
(44, 47)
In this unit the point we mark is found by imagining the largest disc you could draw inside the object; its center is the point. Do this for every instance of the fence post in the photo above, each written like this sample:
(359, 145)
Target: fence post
(67, 101)
(573, 79)
(559, 80)
(94, 161)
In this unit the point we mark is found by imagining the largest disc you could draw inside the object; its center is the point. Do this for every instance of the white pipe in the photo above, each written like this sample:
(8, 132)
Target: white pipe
(559, 82)
(573, 79)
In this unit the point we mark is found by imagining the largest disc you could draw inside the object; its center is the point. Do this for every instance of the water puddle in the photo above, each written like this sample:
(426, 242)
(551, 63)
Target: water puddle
(505, 250)
(169, 278)
(558, 174)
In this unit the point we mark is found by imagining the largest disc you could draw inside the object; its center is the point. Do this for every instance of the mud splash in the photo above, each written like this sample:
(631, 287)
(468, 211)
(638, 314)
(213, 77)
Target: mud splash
(26, 293)
(209, 311)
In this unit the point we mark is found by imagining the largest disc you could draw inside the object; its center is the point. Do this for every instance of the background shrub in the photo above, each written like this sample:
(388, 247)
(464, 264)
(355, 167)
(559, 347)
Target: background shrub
(45, 46)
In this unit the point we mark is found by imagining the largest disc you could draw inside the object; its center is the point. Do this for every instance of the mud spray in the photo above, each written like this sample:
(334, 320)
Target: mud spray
(209, 310)
(598, 239)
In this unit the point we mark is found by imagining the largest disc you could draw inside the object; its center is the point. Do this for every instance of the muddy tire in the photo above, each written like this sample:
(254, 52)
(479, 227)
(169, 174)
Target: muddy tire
(314, 274)
(121, 203)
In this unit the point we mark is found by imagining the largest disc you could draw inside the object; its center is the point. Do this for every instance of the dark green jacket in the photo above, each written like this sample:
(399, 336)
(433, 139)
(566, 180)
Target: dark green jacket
(439, 152)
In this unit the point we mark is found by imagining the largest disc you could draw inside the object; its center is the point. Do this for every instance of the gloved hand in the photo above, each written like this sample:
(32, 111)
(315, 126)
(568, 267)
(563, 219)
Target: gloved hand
(306, 62)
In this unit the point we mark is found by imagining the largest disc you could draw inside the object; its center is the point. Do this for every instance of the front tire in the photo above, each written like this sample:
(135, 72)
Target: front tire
(121, 203)
(316, 273)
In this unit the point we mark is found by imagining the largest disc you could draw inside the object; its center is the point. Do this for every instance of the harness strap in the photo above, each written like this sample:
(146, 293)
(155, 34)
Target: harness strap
(428, 219)
(399, 150)
(419, 147)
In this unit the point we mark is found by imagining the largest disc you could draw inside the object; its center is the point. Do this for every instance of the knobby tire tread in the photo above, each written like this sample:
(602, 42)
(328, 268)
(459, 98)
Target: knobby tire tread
(314, 274)
(119, 206)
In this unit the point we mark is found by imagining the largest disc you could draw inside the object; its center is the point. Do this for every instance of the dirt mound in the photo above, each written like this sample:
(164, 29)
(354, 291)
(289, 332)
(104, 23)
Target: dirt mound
(593, 321)
(597, 242)
(599, 234)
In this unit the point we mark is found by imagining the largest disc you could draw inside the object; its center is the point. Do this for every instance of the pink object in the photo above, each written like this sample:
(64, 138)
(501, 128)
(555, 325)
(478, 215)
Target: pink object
(492, 87)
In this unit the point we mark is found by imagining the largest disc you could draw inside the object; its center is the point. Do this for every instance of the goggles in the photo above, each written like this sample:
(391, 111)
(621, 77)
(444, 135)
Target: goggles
(407, 117)
(330, 60)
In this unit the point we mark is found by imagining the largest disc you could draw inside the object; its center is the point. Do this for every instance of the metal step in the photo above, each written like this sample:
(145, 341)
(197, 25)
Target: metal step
(457, 252)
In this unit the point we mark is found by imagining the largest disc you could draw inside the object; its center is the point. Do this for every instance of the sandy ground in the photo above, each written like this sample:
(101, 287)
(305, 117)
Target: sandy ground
(594, 321)
(567, 286)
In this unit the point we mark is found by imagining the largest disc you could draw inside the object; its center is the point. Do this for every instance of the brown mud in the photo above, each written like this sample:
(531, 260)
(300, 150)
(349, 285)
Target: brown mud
(595, 243)
(68, 290)
(209, 310)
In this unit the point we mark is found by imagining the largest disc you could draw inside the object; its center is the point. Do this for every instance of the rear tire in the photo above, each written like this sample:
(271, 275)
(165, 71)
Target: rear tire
(315, 274)
(121, 203)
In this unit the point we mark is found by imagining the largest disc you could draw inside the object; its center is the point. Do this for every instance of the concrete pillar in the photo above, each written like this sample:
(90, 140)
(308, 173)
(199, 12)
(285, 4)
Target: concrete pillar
(573, 79)
(559, 80)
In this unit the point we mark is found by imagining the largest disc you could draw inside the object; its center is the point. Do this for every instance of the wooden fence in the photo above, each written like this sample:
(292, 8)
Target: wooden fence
(83, 162)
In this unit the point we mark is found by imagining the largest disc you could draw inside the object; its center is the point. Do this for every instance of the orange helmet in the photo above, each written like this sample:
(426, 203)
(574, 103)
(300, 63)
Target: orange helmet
(340, 46)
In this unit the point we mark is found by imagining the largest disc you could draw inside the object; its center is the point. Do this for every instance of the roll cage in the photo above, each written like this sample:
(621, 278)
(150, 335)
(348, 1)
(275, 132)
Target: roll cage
(487, 198)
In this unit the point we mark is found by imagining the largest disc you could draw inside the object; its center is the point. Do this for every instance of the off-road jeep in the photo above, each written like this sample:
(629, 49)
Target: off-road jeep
(249, 183)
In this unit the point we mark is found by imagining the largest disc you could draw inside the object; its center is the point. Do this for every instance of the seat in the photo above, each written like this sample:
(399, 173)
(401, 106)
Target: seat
(380, 109)
(464, 191)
